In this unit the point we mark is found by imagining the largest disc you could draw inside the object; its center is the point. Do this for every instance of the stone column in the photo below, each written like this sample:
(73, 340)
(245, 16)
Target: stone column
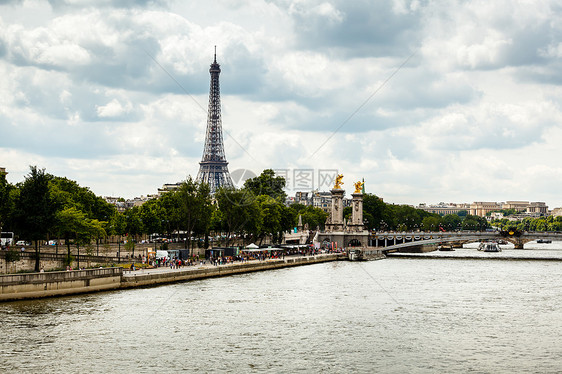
(337, 210)
(299, 226)
(357, 211)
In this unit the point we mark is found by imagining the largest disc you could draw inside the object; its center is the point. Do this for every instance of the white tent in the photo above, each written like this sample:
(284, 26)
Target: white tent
(252, 246)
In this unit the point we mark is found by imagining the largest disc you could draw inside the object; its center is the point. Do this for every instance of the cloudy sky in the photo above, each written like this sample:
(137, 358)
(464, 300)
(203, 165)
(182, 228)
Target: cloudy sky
(428, 101)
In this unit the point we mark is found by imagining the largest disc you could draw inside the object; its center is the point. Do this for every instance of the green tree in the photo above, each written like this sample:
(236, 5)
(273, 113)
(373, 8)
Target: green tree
(70, 221)
(272, 223)
(66, 192)
(205, 210)
(239, 212)
(118, 224)
(451, 222)
(133, 226)
(76, 224)
(267, 184)
(347, 213)
(311, 216)
(194, 201)
(474, 223)
(374, 211)
(288, 220)
(73, 202)
(152, 215)
(34, 210)
(170, 210)
(462, 213)
(6, 199)
(431, 223)
(405, 217)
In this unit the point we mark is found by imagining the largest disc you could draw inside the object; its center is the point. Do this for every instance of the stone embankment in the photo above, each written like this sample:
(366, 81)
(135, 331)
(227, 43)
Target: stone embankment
(59, 283)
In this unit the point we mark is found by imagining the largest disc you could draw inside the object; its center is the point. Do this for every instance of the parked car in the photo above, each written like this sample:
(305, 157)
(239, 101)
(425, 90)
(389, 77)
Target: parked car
(22, 242)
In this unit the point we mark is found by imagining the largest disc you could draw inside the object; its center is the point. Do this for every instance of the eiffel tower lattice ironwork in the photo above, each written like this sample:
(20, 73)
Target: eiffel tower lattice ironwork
(213, 168)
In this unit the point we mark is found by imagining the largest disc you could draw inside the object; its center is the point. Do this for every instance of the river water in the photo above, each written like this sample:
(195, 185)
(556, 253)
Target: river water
(390, 316)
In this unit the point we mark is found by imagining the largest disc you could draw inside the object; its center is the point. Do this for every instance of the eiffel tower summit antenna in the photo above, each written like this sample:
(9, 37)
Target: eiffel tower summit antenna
(213, 168)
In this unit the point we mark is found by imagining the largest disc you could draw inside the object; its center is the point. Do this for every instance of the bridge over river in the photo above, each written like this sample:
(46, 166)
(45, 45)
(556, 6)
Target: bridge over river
(397, 240)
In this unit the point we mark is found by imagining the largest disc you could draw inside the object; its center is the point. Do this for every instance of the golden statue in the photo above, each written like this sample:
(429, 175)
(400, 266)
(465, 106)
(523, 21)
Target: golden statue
(339, 177)
(358, 187)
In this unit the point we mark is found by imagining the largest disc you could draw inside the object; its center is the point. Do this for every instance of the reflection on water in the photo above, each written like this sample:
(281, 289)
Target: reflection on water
(395, 315)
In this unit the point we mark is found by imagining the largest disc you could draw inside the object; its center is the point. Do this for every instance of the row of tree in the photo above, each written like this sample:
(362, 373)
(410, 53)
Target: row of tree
(44, 206)
(549, 223)
(380, 216)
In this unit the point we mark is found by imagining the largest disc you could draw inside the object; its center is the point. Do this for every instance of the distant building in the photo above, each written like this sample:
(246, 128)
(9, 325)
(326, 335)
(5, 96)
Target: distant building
(301, 198)
(118, 202)
(537, 207)
(322, 200)
(556, 212)
(518, 206)
(122, 205)
(3, 171)
(481, 208)
(496, 215)
(444, 209)
(169, 187)
(523, 208)
(317, 199)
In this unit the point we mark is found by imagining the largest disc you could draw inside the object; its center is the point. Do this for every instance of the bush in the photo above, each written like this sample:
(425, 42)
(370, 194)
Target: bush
(12, 255)
(68, 260)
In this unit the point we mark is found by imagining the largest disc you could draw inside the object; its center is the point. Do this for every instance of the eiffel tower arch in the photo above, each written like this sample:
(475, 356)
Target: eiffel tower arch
(213, 168)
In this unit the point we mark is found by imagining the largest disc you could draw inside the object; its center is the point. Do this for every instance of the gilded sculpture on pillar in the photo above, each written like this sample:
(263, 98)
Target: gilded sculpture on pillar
(339, 182)
(358, 187)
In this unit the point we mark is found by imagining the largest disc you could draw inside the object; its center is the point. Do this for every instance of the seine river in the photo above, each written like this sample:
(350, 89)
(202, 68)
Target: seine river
(390, 316)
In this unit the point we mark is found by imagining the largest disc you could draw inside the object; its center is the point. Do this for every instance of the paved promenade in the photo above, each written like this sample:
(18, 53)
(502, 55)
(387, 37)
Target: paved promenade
(207, 265)
(38, 285)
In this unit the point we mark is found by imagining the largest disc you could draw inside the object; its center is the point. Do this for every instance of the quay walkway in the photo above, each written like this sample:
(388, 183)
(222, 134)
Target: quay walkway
(62, 283)
(147, 277)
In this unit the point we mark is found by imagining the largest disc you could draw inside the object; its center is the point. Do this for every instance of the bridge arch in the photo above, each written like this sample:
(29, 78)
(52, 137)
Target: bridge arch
(354, 243)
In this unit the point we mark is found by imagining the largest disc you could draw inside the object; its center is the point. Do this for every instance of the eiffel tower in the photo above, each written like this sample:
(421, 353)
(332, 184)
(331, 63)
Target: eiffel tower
(213, 168)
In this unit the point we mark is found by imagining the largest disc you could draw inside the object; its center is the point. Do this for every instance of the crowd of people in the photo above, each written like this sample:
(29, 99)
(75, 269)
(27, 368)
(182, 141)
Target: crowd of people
(244, 256)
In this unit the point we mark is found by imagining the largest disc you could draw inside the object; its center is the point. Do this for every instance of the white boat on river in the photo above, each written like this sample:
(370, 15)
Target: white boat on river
(489, 247)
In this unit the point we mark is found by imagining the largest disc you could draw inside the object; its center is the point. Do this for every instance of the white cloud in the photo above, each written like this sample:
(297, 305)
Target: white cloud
(473, 115)
(113, 109)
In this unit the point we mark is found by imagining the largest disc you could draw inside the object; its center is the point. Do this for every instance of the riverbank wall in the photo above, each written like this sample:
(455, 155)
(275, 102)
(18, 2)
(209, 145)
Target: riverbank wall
(58, 283)
(25, 261)
(61, 283)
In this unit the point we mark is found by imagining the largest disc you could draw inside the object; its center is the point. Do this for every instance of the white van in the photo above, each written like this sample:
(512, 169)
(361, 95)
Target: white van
(7, 238)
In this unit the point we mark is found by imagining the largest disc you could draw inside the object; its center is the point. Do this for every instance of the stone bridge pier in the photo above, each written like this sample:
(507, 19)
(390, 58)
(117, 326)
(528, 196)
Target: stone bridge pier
(518, 242)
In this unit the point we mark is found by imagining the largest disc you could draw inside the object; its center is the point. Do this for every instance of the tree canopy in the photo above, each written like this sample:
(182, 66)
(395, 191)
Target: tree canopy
(267, 184)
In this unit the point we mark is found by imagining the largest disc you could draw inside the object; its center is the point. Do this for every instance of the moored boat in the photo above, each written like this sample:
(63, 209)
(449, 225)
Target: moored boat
(364, 254)
(445, 247)
(489, 247)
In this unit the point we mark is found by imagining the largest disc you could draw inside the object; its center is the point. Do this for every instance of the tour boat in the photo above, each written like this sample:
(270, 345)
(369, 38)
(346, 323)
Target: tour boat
(544, 241)
(489, 247)
(364, 254)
